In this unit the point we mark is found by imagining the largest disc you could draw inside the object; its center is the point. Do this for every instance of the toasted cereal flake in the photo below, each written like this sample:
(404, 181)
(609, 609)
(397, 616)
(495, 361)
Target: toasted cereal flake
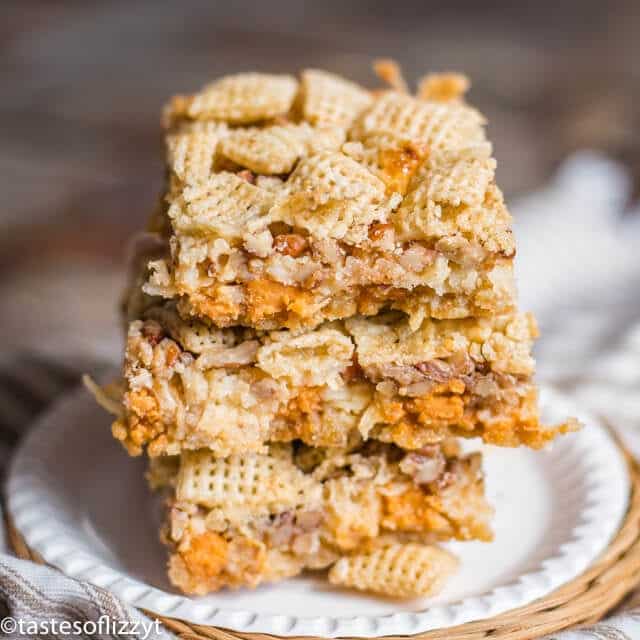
(443, 87)
(397, 570)
(333, 196)
(453, 194)
(244, 98)
(192, 148)
(334, 176)
(267, 151)
(225, 205)
(311, 359)
(460, 178)
(504, 342)
(276, 149)
(330, 99)
(192, 335)
(254, 481)
(325, 137)
(441, 126)
(459, 203)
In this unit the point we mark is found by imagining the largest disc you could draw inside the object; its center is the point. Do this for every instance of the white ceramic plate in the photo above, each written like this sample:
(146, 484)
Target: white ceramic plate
(83, 505)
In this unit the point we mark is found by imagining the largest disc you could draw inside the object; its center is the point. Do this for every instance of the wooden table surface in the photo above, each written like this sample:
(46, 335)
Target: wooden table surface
(83, 83)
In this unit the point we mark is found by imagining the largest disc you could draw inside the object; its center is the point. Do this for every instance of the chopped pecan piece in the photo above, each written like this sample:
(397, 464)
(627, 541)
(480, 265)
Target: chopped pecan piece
(247, 175)
(309, 520)
(353, 372)
(435, 370)
(377, 230)
(424, 468)
(281, 529)
(153, 332)
(290, 244)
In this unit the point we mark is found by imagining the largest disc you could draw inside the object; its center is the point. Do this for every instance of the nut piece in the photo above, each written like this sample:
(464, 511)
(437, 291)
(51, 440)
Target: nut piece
(290, 244)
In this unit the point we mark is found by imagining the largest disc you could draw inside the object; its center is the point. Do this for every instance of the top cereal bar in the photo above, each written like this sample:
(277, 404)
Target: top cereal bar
(293, 202)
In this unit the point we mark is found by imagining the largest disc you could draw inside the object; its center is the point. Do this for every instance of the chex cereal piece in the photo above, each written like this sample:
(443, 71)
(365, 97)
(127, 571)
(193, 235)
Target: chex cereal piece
(255, 481)
(276, 149)
(330, 99)
(333, 196)
(440, 126)
(244, 98)
(191, 149)
(192, 335)
(225, 205)
(457, 178)
(491, 224)
(268, 151)
(453, 194)
(397, 570)
(334, 176)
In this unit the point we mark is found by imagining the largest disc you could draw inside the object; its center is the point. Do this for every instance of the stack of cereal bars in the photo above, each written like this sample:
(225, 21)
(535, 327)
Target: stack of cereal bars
(323, 305)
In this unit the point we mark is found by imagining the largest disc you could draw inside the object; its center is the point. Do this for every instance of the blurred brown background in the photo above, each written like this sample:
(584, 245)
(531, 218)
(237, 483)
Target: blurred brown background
(83, 84)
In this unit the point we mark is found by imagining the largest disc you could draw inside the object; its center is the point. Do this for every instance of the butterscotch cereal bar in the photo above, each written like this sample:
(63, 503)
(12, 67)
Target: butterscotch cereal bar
(294, 201)
(188, 385)
(322, 303)
(256, 518)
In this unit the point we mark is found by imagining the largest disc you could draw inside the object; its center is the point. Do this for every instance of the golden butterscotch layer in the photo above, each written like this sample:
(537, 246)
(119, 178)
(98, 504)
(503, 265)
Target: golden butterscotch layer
(189, 386)
(287, 209)
(245, 520)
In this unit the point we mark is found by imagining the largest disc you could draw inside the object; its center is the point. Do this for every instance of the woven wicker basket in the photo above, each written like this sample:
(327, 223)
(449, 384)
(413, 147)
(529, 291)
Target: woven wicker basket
(584, 600)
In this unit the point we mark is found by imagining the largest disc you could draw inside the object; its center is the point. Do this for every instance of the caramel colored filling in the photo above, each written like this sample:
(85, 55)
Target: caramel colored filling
(302, 419)
(451, 410)
(269, 304)
(144, 422)
(206, 557)
(413, 512)
(219, 309)
(399, 165)
(211, 562)
(267, 298)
